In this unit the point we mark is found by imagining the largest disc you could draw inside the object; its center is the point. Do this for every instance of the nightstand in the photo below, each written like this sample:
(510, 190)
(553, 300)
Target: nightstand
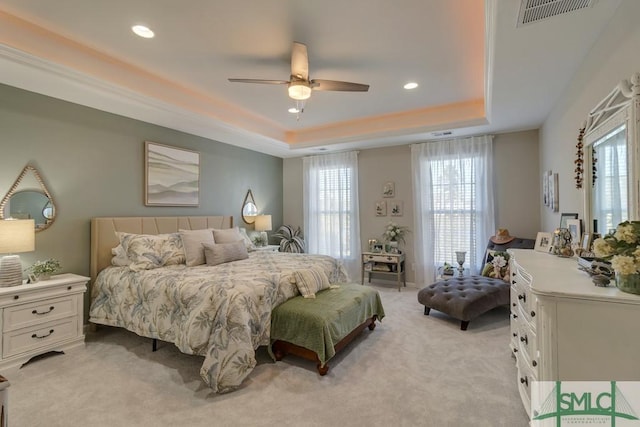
(272, 248)
(384, 263)
(41, 317)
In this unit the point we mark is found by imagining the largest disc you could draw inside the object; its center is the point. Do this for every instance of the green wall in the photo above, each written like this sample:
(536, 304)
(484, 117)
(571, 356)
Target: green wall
(93, 165)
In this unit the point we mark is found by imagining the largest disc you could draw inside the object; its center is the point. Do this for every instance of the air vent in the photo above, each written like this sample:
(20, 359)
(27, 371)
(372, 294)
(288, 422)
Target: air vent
(445, 133)
(538, 10)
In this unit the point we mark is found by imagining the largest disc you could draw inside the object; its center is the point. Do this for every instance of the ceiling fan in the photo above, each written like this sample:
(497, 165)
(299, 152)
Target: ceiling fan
(299, 84)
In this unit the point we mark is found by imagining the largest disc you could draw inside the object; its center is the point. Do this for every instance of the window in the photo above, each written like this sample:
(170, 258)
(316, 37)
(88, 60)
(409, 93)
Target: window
(454, 206)
(331, 207)
(453, 210)
(610, 200)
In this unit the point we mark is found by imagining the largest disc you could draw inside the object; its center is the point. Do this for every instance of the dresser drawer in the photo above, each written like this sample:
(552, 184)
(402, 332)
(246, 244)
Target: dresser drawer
(29, 339)
(38, 312)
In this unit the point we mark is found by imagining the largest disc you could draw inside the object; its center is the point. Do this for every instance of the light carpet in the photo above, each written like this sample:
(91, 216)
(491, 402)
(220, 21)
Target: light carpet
(412, 370)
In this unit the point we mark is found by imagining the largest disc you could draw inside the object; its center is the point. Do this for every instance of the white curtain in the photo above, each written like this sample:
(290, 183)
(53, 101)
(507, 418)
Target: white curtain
(453, 202)
(331, 217)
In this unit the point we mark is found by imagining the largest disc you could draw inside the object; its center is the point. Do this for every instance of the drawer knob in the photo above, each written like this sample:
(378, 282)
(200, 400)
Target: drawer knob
(69, 288)
(533, 313)
(515, 350)
(40, 313)
(16, 296)
(524, 380)
(534, 363)
(522, 297)
(515, 335)
(515, 316)
(39, 337)
(524, 339)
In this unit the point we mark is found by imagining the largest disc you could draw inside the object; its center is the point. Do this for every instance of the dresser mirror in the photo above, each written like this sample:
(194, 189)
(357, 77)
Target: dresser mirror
(29, 198)
(611, 175)
(249, 208)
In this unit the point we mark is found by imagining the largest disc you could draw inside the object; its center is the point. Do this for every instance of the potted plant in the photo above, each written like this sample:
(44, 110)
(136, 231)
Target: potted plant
(290, 239)
(44, 269)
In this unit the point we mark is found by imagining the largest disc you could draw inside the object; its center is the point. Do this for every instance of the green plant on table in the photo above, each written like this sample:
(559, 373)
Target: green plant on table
(45, 268)
(290, 239)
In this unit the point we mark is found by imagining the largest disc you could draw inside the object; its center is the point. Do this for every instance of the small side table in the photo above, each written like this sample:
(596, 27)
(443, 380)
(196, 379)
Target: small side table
(384, 263)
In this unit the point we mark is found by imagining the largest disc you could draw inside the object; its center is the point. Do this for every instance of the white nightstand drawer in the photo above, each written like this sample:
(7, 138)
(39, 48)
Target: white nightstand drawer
(38, 312)
(29, 339)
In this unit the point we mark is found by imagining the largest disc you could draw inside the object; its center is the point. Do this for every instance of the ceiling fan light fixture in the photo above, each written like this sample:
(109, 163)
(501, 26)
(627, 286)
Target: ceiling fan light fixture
(299, 91)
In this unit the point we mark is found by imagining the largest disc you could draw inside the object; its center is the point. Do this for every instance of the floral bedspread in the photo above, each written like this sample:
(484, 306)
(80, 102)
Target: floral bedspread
(221, 312)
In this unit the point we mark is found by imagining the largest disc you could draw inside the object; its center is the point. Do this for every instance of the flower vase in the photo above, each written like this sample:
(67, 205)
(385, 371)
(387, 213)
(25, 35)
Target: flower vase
(44, 277)
(394, 247)
(628, 283)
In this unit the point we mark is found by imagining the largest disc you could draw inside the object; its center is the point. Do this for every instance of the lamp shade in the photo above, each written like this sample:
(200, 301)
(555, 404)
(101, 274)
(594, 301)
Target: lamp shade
(263, 223)
(17, 235)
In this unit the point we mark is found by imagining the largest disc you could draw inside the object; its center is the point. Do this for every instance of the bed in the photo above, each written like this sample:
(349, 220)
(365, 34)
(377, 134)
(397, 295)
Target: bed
(221, 312)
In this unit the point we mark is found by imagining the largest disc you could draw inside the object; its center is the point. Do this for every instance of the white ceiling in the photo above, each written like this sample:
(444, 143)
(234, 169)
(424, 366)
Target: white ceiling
(477, 71)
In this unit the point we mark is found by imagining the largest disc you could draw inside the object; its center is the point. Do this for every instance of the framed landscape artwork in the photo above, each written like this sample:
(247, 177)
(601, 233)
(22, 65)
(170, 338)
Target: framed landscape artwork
(172, 176)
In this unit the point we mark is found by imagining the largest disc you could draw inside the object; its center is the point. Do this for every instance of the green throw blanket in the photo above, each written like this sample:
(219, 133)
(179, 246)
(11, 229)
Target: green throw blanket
(320, 323)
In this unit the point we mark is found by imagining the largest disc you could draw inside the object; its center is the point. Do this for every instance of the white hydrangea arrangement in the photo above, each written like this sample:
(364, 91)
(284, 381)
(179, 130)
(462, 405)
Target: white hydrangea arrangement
(395, 232)
(621, 247)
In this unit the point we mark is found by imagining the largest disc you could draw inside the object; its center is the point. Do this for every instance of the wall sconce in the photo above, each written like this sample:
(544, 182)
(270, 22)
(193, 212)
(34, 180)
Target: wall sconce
(16, 235)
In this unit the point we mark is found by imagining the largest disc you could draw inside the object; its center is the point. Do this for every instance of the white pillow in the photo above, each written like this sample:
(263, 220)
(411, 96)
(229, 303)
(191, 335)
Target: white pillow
(227, 235)
(192, 241)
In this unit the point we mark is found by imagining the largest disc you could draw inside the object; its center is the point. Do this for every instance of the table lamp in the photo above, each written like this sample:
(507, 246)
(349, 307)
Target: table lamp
(16, 235)
(263, 223)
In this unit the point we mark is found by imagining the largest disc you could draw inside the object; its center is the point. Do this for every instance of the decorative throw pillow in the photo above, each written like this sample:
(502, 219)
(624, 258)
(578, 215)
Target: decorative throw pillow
(219, 253)
(227, 235)
(119, 257)
(192, 241)
(496, 265)
(149, 251)
(311, 281)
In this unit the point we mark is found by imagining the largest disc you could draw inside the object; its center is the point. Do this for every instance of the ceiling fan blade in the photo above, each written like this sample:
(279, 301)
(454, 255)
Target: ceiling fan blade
(261, 81)
(299, 61)
(319, 84)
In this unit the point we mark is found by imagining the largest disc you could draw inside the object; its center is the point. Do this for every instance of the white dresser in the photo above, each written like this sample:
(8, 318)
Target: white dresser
(565, 328)
(41, 317)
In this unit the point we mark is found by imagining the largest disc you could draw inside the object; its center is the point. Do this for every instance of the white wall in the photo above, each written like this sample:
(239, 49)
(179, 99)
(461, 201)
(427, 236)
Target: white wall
(517, 188)
(615, 56)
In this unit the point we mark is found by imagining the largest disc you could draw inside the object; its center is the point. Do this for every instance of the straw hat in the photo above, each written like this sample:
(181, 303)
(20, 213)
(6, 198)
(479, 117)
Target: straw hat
(502, 236)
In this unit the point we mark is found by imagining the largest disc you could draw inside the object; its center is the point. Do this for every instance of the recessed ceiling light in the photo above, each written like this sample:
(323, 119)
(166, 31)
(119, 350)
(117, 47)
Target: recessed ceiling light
(142, 31)
(411, 85)
(293, 110)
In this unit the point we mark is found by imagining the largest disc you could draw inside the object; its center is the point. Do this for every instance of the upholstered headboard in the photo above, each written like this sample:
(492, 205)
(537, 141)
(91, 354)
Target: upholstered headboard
(103, 232)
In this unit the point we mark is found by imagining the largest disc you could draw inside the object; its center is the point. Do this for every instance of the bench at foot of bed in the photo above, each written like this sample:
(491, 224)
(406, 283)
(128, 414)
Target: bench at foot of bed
(317, 328)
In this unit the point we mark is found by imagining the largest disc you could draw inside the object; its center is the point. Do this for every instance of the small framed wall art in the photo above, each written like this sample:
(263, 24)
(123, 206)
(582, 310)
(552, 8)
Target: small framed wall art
(389, 189)
(396, 207)
(381, 208)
